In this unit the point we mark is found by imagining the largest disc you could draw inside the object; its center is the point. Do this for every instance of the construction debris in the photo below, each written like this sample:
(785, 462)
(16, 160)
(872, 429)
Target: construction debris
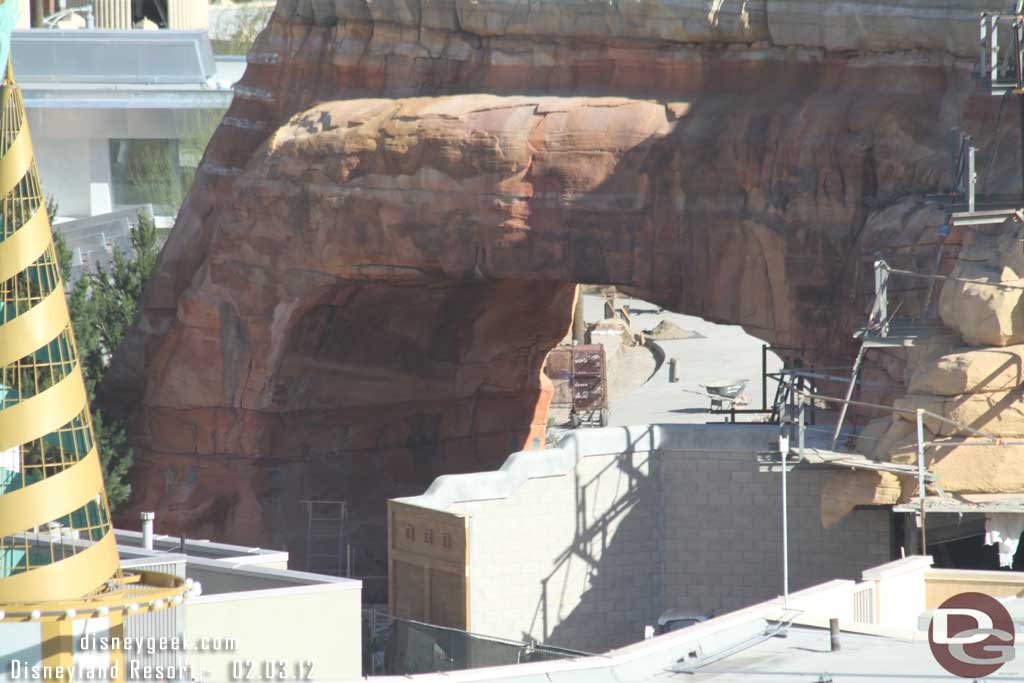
(667, 330)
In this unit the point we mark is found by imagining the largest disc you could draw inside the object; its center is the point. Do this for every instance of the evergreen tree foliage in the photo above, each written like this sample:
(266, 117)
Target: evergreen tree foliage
(103, 306)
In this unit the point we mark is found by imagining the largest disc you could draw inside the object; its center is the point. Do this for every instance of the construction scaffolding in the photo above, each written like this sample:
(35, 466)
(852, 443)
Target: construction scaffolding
(1001, 69)
(795, 429)
(965, 209)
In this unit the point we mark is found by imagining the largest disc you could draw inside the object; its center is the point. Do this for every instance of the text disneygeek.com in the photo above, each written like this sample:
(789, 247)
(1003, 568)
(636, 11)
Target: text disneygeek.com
(89, 663)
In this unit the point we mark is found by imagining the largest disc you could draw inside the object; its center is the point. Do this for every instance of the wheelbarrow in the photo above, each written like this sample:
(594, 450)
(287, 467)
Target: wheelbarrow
(725, 395)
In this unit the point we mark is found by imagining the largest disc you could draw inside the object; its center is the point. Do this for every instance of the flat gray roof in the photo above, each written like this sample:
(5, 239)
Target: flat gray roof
(105, 70)
(106, 56)
(803, 655)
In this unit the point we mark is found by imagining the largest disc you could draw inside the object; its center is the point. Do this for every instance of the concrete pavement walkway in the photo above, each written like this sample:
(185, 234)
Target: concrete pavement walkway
(725, 353)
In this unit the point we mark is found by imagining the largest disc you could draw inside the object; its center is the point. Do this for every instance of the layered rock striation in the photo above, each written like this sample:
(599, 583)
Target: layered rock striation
(386, 230)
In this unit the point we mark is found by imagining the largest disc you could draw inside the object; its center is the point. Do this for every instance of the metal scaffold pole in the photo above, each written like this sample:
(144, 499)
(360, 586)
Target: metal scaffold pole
(783, 451)
(1020, 104)
(922, 491)
(849, 395)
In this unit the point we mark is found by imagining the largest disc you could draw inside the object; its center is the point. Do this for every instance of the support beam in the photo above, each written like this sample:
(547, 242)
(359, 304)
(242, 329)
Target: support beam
(849, 395)
(983, 26)
(993, 47)
(1016, 54)
(954, 134)
(972, 178)
(880, 309)
(922, 491)
(1020, 105)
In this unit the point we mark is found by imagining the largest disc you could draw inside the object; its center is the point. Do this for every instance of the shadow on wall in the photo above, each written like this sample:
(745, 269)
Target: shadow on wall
(615, 548)
(644, 531)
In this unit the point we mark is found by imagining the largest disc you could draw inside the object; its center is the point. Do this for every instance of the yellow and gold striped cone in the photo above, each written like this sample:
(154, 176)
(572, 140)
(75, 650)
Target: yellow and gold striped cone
(56, 540)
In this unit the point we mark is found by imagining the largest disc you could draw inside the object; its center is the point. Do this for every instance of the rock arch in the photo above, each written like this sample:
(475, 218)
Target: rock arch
(385, 233)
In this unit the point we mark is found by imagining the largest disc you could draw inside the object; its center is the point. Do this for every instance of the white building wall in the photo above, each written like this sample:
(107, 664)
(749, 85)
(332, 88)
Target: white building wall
(567, 559)
(21, 641)
(72, 148)
(900, 589)
(318, 624)
(101, 198)
(65, 171)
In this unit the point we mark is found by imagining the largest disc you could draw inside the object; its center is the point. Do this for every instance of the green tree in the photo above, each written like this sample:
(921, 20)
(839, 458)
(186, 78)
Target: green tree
(103, 306)
(248, 22)
(115, 294)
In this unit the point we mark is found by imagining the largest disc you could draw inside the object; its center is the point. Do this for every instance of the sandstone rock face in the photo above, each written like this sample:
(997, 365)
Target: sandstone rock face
(844, 492)
(974, 396)
(994, 412)
(872, 433)
(949, 26)
(877, 26)
(967, 371)
(967, 466)
(984, 303)
(386, 231)
(898, 432)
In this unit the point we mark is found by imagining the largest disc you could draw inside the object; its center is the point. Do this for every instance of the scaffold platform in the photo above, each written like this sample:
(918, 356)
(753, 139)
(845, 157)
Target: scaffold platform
(965, 504)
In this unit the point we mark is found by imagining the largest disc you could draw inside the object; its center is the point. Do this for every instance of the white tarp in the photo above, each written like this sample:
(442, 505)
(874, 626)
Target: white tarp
(1004, 529)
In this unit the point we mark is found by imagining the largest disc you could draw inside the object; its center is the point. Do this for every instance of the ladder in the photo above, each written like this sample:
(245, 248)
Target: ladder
(326, 549)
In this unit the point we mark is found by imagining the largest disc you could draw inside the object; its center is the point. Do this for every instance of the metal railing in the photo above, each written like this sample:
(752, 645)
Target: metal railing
(925, 477)
(53, 20)
(965, 174)
(999, 67)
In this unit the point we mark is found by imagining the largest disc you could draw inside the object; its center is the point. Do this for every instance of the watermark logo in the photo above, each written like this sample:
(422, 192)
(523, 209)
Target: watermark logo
(971, 635)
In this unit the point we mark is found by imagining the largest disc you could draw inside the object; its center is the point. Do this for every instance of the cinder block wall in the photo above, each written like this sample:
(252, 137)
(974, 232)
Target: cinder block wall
(581, 546)
(722, 539)
(567, 560)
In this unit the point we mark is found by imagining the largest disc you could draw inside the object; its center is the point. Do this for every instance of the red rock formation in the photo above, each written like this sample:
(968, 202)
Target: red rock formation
(359, 292)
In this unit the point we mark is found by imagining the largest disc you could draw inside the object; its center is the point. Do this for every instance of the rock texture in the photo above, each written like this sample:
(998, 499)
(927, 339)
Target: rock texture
(978, 388)
(968, 371)
(983, 303)
(386, 230)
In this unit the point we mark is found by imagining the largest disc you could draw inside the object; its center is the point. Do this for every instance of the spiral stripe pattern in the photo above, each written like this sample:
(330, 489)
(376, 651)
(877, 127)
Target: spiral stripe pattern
(55, 530)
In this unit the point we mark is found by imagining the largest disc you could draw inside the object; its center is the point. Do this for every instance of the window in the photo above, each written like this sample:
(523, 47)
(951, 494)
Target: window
(150, 172)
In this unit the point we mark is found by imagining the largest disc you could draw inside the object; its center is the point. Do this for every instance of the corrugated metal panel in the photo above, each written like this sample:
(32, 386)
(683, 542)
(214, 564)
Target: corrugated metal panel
(98, 56)
(115, 14)
(166, 623)
(151, 627)
(188, 14)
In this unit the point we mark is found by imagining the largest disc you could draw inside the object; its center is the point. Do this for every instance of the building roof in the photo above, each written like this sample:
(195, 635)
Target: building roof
(102, 56)
(93, 68)
(804, 654)
(883, 621)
